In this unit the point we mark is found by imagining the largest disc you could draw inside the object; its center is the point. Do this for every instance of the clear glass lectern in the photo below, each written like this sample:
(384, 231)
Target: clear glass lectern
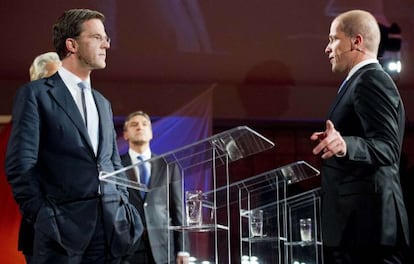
(203, 169)
(276, 235)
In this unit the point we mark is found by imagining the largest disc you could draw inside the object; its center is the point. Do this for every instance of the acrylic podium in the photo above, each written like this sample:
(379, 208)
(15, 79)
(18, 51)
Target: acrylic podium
(279, 240)
(202, 166)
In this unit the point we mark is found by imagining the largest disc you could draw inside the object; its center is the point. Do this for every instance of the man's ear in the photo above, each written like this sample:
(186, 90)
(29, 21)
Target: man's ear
(71, 45)
(125, 136)
(357, 42)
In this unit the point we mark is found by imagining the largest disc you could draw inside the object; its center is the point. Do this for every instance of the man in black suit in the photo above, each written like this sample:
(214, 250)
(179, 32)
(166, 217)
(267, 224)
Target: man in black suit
(364, 219)
(62, 137)
(153, 204)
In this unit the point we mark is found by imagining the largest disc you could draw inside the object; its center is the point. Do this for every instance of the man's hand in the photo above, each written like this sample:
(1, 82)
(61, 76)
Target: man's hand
(330, 142)
(183, 257)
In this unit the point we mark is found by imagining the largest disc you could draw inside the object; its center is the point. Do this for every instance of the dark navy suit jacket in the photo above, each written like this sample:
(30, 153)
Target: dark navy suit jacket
(53, 169)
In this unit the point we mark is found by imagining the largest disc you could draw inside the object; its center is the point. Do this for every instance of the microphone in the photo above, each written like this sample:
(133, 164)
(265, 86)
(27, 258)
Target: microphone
(350, 50)
(357, 49)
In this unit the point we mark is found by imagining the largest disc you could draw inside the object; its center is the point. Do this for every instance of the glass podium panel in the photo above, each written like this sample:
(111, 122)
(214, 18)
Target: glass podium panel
(268, 238)
(220, 149)
(196, 191)
(304, 238)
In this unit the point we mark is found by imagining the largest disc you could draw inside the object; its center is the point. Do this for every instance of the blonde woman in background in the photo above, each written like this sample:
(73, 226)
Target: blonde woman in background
(44, 65)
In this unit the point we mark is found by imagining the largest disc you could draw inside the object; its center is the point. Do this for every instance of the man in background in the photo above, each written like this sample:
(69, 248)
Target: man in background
(152, 205)
(364, 219)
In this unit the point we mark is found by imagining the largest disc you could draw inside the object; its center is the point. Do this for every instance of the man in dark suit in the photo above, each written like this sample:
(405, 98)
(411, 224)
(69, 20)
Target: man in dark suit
(153, 204)
(62, 137)
(364, 219)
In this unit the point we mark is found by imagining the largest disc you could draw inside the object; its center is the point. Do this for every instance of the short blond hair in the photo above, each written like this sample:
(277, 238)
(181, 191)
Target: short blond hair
(361, 22)
(38, 69)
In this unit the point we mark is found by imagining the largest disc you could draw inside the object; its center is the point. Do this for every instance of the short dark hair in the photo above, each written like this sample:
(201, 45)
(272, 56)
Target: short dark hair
(69, 25)
(136, 113)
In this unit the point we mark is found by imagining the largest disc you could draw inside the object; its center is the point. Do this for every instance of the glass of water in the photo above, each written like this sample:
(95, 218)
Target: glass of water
(306, 229)
(193, 207)
(256, 223)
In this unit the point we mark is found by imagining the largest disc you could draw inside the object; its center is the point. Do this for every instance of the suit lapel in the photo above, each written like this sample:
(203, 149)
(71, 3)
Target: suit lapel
(126, 161)
(350, 84)
(136, 194)
(339, 96)
(65, 100)
(156, 167)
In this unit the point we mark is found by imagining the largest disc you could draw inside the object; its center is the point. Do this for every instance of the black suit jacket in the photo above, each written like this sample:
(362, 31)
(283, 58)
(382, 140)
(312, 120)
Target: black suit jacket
(362, 202)
(53, 169)
(153, 208)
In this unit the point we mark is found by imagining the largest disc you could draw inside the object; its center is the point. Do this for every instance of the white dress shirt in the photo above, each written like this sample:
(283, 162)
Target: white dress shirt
(71, 81)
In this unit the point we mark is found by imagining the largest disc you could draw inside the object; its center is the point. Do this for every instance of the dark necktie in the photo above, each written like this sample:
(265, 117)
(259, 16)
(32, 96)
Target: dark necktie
(83, 86)
(143, 174)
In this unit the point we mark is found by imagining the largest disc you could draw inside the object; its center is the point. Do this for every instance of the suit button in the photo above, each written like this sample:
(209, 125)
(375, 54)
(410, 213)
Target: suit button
(145, 204)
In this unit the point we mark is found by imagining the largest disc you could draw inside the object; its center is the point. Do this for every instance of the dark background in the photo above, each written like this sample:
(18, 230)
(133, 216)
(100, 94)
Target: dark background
(265, 57)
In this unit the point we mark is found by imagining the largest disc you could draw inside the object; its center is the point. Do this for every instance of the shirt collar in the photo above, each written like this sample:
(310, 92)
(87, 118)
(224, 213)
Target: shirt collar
(146, 155)
(359, 66)
(71, 79)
